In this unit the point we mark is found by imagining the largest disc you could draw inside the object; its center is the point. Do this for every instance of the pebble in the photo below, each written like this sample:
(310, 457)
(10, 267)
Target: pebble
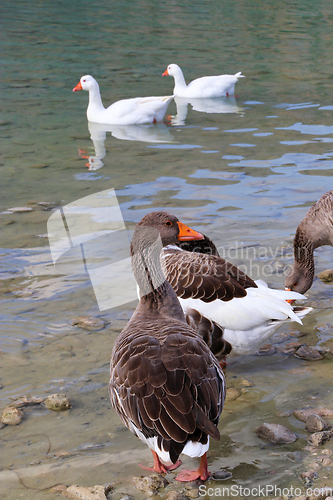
(174, 495)
(222, 475)
(57, 402)
(232, 394)
(308, 353)
(150, 484)
(11, 416)
(98, 492)
(127, 497)
(326, 276)
(314, 423)
(276, 433)
(318, 438)
(26, 401)
(303, 415)
(266, 350)
(245, 383)
(20, 209)
(310, 475)
(291, 348)
(88, 323)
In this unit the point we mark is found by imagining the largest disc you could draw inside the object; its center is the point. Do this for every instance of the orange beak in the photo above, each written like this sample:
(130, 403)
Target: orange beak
(165, 73)
(78, 87)
(290, 301)
(187, 234)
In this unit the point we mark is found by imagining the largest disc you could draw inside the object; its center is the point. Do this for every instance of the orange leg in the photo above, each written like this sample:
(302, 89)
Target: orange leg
(159, 467)
(191, 475)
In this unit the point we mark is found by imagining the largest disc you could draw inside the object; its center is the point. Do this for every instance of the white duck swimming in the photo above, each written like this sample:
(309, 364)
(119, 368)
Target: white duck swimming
(136, 111)
(204, 87)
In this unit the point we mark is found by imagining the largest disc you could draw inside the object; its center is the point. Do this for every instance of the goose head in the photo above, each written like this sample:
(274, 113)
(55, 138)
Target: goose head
(172, 70)
(86, 82)
(300, 278)
(170, 229)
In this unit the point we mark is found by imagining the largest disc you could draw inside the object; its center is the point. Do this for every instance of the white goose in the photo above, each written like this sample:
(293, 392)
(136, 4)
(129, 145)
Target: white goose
(136, 111)
(243, 312)
(204, 87)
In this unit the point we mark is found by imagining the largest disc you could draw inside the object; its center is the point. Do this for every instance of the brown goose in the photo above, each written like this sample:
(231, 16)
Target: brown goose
(315, 230)
(166, 385)
(241, 311)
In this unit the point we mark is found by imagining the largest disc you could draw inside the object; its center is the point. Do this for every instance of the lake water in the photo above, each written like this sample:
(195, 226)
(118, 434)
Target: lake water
(244, 172)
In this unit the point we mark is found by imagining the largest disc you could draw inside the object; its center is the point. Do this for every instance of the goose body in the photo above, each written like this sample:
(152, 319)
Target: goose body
(204, 87)
(243, 312)
(165, 384)
(315, 230)
(135, 111)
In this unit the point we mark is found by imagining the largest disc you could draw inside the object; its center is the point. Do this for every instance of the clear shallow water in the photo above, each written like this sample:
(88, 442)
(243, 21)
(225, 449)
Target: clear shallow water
(244, 175)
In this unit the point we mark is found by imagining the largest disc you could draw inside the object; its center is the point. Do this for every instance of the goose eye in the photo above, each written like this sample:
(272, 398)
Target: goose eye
(168, 223)
(295, 283)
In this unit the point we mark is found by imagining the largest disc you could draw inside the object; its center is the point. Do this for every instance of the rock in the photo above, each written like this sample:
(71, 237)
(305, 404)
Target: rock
(327, 452)
(150, 484)
(308, 353)
(314, 423)
(303, 415)
(127, 497)
(245, 383)
(20, 209)
(318, 438)
(221, 475)
(276, 433)
(232, 394)
(291, 348)
(98, 492)
(193, 493)
(11, 416)
(57, 402)
(88, 323)
(174, 495)
(327, 462)
(326, 276)
(25, 401)
(309, 475)
(266, 350)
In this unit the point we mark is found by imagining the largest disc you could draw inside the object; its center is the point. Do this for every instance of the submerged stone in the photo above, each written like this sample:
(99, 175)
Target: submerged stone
(308, 353)
(88, 323)
(150, 484)
(314, 423)
(318, 438)
(57, 402)
(11, 416)
(326, 276)
(276, 433)
(98, 492)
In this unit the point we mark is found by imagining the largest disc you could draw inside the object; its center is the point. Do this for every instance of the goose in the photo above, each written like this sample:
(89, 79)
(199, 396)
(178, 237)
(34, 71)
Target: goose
(136, 111)
(242, 312)
(315, 230)
(204, 87)
(165, 384)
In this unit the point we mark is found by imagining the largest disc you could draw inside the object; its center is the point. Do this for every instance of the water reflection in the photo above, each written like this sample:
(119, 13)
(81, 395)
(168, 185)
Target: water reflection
(212, 105)
(152, 133)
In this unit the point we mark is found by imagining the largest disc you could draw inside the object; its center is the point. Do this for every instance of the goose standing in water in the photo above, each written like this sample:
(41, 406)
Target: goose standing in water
(204, 87)
(315, 230)
(165, 384)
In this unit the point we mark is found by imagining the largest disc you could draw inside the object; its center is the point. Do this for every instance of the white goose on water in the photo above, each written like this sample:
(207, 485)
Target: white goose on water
(136, 111)
(204, 87)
